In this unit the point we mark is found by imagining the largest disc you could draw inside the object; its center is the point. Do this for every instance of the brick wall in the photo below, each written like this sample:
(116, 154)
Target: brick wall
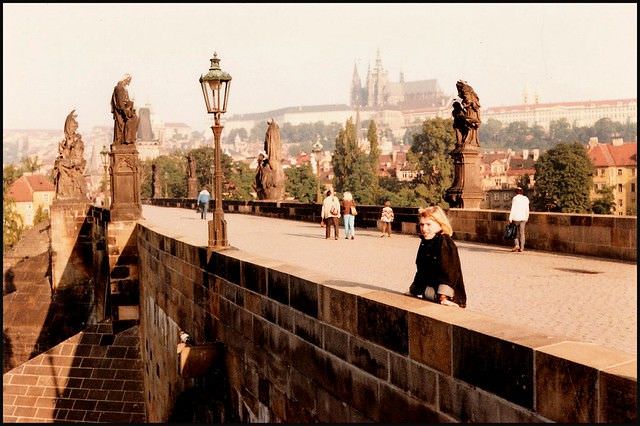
(92, 377)
(605, 236)
(303, 348)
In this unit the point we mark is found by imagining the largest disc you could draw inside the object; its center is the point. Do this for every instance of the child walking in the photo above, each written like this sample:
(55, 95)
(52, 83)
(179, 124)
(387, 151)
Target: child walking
(386, 218)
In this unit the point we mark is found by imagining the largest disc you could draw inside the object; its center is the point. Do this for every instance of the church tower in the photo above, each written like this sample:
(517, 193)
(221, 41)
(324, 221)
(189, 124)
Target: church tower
(376, 83)
(356, 88)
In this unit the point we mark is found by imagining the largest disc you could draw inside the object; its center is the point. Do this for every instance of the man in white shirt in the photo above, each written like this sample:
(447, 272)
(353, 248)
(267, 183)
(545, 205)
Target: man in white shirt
(203, 202)
(330, 214)
(519, 215)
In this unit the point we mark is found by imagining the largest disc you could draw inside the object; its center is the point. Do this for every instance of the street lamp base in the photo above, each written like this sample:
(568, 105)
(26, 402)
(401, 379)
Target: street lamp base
(218, 231)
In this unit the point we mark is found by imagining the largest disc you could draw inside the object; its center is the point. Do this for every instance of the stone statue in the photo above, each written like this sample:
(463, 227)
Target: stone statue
(465, 155)
(269, 174)
(155, 182)
(466, 115)
(68, 169)
(126, 121)
(191, 169)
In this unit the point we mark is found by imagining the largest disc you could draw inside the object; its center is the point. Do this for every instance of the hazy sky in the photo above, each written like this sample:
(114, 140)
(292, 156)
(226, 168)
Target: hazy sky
(58, 57)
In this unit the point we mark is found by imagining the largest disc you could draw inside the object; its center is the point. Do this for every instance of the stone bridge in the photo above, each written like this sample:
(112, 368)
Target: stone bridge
(287, 326)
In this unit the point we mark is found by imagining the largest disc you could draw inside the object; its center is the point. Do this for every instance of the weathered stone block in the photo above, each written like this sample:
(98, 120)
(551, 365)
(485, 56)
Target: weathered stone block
(383, 324)
(567, 380)
(304, 296)
(278, 286)
(369, 357)
(430, 342)
(308, 328)
(335, 341)
(466, 403)
(397, 407)
(338, 308)
(253, 277)
(493, 364)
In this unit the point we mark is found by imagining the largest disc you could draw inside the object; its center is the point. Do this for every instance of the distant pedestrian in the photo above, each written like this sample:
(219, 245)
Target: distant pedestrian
(439, 273)
(386, 218)
(330, 214)
(519, 215)
(349, 213)
(203, 202)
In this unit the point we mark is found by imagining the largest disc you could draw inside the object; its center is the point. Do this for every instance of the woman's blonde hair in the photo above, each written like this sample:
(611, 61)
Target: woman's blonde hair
(437, 214)
(346, 195)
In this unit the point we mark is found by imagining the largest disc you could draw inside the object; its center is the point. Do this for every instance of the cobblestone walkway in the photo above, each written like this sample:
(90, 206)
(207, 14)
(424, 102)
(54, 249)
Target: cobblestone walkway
(585, 299)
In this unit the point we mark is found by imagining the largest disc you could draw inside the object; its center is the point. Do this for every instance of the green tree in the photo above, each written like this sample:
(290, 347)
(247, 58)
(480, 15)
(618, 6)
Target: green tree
(489, 133)
(560, 131)
(352, 167)
(31, 164)
(605, 202)
(524, 182)
(374, 154)
(238, 179)
(10, 174)
(430, 149)
(563, 179)
(605, 129)
(301, 183)
(12, 224)
(41, 215)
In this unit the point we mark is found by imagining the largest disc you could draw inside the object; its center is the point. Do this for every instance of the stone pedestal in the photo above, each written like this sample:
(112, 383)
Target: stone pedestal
(466, 192)
(71, 244)
(124, 289)
(125, 183)
(192, 188)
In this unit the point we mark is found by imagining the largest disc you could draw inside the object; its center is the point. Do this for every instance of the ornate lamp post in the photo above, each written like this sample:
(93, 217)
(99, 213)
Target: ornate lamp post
(317, 154)
(104, 155)
(215, 88)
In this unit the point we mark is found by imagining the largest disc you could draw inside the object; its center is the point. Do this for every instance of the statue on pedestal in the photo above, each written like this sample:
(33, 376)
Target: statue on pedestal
(68, 169)
(466, 122)
(126, 120)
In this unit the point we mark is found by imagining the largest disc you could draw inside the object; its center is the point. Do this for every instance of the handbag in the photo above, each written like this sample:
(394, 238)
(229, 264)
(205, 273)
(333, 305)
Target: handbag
(353, 210)
(510, 231)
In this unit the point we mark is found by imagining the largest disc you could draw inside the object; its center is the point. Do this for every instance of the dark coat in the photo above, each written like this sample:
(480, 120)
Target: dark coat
(438, 263)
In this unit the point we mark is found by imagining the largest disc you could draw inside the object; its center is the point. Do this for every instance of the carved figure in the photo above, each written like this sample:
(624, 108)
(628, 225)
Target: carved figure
(471, 113)
(191, 169)
(263, 176)
(126, 120)
(68, 169)
(269, 174)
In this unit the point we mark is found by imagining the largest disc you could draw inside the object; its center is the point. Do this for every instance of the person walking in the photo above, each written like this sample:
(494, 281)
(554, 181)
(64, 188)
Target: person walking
(349, 213)
(203, 202)
(519, 215)
(439, 274)
(330, 214)
(386, 218)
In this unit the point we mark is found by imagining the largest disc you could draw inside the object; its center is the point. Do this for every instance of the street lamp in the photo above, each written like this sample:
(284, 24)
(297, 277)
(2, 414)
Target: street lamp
(215, 88)
(104, 155)
(317, 154)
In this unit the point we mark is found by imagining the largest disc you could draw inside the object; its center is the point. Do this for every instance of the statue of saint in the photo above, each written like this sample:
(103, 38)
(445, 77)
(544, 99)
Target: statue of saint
(263, 177)
(469, 116)
(70, 164)
(126, 120)
(269, 171)
(191, 169)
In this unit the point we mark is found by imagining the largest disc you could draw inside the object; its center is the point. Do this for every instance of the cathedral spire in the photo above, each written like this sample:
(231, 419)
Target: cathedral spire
(356, 87)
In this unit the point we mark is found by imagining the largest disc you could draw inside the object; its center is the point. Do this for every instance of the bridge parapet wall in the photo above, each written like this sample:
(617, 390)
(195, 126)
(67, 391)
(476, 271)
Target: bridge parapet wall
(301, 347)
(612, 237)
